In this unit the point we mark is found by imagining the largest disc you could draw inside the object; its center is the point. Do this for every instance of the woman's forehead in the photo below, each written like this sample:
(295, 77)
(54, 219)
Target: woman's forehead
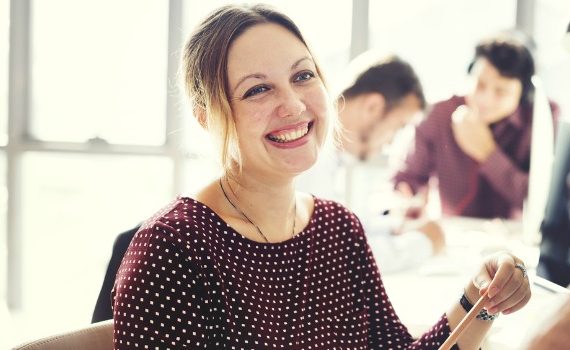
(263, 48)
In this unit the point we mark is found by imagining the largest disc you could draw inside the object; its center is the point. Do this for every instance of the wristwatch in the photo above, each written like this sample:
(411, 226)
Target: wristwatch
(483, 314)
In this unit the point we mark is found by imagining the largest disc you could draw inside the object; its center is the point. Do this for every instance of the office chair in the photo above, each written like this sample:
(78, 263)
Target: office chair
(96, 336)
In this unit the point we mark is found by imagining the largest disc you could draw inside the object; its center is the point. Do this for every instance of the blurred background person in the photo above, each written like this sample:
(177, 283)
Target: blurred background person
(383, 95)
(477, 146)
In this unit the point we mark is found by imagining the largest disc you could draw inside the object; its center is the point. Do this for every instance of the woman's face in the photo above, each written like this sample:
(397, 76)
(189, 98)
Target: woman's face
(278, 101)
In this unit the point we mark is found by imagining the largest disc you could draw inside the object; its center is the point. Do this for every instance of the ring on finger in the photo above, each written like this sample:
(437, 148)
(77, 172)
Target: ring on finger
(522, 268)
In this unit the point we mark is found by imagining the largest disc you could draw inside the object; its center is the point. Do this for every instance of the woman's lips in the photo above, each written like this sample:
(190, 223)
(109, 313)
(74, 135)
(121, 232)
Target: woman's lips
(291, 137)
(290, 134)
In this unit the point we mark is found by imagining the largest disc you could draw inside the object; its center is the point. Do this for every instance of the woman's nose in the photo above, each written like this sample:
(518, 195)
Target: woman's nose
(291, 104)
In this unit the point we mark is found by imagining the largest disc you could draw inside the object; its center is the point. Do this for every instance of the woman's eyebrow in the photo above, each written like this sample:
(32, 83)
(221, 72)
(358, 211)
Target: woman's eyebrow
(263, 76)
(249, 76)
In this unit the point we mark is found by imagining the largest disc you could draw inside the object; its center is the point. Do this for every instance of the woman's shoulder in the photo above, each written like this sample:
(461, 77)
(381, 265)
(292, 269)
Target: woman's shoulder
(333, 211)
(328, 205)
(179, 221)
(182, 208)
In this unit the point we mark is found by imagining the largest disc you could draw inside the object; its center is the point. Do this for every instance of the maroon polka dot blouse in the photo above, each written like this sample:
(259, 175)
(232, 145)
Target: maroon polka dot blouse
(188, 280)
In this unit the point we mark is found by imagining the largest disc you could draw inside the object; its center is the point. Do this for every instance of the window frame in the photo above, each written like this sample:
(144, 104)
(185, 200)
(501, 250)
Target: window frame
(19, 141)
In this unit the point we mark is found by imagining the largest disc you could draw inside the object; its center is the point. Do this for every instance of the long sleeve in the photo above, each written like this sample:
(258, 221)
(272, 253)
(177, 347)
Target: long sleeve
(419, 164)
(385, 326)
(505, 177)
(159, 300)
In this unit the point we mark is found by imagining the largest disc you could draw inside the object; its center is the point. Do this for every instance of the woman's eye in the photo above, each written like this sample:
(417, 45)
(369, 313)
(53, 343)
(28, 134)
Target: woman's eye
(304, 76)
(256, 90)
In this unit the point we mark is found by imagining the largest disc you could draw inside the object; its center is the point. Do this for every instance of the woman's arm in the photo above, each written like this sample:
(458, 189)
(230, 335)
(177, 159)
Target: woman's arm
(159, 299)
(504, 277)
(509, 291)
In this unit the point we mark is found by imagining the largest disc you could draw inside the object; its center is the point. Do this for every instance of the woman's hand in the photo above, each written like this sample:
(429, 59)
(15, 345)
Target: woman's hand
(504, 276)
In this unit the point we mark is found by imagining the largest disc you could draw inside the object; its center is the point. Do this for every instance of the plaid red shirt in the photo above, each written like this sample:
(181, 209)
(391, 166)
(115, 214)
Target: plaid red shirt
(494, 188)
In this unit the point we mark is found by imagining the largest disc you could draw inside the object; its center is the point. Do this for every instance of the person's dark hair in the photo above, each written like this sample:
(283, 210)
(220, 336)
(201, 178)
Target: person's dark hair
(512, 58)
(393, 78)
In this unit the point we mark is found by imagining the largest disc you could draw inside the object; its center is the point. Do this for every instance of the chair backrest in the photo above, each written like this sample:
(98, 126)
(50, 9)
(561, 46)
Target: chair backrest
(97, 336)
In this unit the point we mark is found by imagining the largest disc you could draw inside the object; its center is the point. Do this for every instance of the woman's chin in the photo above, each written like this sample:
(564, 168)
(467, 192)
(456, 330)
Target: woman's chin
(300, 167)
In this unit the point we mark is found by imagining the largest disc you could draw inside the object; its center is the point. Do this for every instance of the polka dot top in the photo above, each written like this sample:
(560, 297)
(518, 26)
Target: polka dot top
(188, 280)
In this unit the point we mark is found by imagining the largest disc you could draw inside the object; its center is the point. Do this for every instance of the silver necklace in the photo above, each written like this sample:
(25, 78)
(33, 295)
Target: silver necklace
(249, 220)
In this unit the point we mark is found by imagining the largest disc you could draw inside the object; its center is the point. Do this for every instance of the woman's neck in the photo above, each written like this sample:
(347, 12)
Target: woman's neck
(269, 205)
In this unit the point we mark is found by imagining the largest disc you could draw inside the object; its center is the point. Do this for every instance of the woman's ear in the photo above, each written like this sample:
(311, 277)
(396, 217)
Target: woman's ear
(200, 115)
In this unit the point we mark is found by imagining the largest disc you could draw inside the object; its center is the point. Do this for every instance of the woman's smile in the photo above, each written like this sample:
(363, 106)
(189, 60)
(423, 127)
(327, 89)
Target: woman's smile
(290, 134)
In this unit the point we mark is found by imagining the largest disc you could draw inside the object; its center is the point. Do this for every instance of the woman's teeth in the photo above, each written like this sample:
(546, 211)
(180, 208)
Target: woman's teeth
(290, 135)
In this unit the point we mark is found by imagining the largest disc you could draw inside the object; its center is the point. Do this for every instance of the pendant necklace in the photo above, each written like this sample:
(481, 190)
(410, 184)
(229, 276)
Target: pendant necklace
(249, 220)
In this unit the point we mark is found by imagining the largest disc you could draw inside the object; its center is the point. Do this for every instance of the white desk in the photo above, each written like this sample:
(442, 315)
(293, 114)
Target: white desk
(441, 280)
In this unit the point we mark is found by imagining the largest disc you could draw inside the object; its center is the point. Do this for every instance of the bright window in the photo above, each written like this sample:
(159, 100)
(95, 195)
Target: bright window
(326, 26)
(75, 206)
(438, 38)
(551, 22)
(99, 70)
(5, 319)
(4, 43)
(3, 228)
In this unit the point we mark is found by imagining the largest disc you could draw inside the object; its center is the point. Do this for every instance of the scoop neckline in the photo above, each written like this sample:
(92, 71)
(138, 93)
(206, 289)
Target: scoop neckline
(293, 239)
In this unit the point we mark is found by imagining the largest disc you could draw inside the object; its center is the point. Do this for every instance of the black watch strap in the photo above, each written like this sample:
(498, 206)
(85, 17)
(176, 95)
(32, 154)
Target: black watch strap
(483, 314)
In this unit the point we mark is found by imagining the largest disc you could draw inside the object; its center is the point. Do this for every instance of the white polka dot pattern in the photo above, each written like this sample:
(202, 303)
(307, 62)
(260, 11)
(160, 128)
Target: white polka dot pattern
(188, 280)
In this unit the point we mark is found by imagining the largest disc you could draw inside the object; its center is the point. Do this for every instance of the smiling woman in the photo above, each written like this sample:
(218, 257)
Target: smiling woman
(285, 108)
(249, 263)
(251, 92)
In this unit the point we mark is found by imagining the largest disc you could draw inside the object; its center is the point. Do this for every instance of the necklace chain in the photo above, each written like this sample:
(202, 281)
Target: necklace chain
(249, 220)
